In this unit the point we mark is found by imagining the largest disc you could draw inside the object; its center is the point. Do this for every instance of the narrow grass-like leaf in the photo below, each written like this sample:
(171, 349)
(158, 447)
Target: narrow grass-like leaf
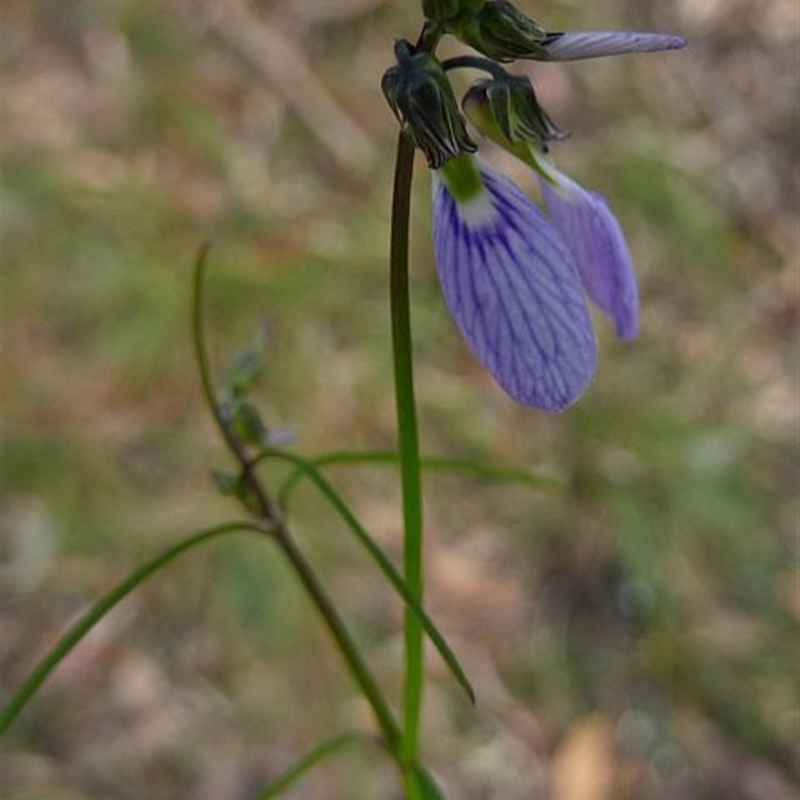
(455, 466)
(385, 565)
(307, 762)
(427, 785)
(73, 636)
(259, 501)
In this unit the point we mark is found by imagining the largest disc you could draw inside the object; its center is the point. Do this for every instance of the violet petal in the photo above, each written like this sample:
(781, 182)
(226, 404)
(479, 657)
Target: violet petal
(598, 245)
(576, 45)
(515, 293)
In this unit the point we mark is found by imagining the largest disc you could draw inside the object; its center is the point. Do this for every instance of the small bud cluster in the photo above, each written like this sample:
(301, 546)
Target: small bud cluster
(505, 107)
(516, 274)
(420, 94)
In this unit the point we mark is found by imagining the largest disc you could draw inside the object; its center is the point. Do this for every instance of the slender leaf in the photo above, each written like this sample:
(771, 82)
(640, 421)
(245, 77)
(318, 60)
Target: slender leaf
(73, 636)
(427, 785)
(454, 466)
(307, 762)
(385, 565)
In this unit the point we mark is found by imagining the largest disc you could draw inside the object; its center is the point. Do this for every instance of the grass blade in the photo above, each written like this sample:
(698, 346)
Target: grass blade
(385, 565)
(73, 636)
(307, 762)
(452, 466)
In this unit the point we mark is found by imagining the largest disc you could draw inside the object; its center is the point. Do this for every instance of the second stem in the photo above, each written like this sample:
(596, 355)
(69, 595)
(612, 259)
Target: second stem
(408, 440)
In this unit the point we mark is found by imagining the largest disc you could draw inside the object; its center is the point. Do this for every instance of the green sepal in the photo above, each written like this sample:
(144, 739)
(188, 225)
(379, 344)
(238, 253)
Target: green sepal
(245, 368)
(422, 99)
(509, 122)
(501, 32)
(462, 178)
(516, 109)
(243, 373)
(235, 486)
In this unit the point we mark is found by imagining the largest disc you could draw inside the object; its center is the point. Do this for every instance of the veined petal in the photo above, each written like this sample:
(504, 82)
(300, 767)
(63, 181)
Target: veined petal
(598, 245)
(514, 291)
(575, 45)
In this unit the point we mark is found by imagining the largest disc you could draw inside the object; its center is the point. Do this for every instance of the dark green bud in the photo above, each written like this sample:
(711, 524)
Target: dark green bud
(515, 108)
(501, 32)
(419, 93)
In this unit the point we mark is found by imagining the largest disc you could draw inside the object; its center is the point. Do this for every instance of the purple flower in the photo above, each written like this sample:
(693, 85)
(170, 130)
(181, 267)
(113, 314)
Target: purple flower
(584, 220)
(513, 288)
(598, 245)
(516, 279)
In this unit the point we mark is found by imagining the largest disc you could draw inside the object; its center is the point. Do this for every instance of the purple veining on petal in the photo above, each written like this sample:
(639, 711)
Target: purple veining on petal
(575, 45)
(598, 245)
(515, 293)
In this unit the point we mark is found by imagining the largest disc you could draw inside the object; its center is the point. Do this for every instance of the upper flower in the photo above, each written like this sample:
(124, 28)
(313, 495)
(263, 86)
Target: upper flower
(500, 31)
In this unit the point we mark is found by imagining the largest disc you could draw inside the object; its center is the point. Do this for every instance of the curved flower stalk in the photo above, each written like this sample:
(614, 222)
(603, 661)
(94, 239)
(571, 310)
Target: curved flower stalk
(512, 286)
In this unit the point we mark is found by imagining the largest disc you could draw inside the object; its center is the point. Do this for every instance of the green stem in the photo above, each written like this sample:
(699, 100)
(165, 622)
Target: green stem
(347, 646)
(408, 436)
(74, 635)
(408, 440)
(475, 62)
(283, 539)
(262, 499)
(201, 349)
(441, 464)
(280, 531)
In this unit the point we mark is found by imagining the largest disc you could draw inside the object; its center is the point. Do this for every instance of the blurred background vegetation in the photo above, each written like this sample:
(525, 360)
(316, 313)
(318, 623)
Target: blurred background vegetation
(630, 626)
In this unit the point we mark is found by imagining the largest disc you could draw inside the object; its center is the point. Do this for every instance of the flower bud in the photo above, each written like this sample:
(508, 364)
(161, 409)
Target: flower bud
(419, 93)
(520, 134)
(515, 108)
(501, 32)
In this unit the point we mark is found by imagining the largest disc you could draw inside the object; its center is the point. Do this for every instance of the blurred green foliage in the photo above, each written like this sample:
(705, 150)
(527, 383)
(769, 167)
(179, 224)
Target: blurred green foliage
(657, 588)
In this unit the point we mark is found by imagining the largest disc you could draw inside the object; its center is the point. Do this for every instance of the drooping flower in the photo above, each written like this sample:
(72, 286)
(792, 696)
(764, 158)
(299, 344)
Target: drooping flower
(583, 218)
(516, 279)
(512, 286)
